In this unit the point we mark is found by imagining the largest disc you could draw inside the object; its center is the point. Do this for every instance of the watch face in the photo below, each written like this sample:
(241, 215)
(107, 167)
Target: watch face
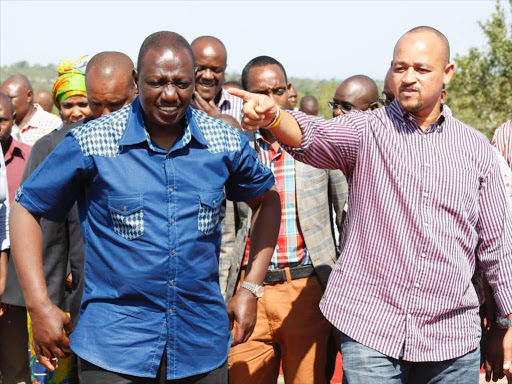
(259, 292)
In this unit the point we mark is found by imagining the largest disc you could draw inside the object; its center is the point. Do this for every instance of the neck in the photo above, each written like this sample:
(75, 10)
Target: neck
(6, 144)
(27, 117)
(426, 118)
(217, 97)
(165, 137)
(267, 135)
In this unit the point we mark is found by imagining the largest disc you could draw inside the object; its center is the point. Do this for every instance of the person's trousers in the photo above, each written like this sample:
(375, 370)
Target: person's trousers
(14, 363)
(290, 329)
(92, 374)
(363, 365)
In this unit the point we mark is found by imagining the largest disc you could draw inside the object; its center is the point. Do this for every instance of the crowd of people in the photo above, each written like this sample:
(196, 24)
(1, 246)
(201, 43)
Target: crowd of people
(172, 227)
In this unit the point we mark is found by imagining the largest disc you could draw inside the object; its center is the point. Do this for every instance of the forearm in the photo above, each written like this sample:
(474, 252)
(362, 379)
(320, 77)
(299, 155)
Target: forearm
(288, 131)
(26, 249)
(266, 220)
(3, 270)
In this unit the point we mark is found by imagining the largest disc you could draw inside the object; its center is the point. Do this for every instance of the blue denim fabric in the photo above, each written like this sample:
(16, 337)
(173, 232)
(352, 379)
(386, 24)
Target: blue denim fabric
(151, 226)
(363, 365)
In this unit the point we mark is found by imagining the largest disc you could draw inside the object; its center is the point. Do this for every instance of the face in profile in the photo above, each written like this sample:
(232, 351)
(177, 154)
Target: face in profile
(292, 97)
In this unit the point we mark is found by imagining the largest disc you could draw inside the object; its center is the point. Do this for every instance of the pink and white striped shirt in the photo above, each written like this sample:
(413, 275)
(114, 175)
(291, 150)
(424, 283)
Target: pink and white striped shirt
(40, 124)
(424, 207)
(502, 140)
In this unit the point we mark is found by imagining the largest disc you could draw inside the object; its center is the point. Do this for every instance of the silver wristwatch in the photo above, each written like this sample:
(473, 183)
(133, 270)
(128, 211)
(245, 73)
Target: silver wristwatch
(255, 289)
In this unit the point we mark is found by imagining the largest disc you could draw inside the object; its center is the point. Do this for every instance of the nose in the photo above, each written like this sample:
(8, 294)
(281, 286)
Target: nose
(77, 112)
(409, 76)
(169, 94)
(207, 74)
(336, 112)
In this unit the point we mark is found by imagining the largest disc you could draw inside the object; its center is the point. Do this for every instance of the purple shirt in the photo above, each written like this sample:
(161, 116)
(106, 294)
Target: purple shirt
(424, 206)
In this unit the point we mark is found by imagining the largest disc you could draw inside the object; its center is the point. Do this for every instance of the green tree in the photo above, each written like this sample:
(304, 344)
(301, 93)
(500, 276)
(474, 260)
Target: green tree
(480, 93)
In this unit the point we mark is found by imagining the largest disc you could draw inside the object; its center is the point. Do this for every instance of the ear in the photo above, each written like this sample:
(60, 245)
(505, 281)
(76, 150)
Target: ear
(135, 77)
(449, 70)
(288, 86)
(30, 96)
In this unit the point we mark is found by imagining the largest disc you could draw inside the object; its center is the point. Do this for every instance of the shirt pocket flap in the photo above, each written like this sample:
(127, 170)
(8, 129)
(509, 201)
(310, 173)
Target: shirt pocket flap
(125, 205)
(211, 199)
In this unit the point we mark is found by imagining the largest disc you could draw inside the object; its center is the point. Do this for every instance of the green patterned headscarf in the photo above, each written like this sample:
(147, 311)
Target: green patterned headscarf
(71, 81)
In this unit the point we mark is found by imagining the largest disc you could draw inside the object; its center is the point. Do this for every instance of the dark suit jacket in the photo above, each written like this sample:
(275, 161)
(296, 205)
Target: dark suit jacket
(62, 241)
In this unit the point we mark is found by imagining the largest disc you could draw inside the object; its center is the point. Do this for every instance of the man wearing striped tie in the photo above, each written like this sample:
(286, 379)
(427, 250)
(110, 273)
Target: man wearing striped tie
(428, 203)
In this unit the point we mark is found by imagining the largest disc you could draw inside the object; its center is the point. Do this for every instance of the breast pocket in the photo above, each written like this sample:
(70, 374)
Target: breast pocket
(127, 214)
(209, 211)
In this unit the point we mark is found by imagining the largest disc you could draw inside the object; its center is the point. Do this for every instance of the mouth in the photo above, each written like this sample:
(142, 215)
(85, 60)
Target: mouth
(207, 85)
(167, 110)
(408, 91)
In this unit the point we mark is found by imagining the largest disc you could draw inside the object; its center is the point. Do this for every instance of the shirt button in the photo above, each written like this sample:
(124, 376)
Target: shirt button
(171, 312)
(173, 252)
(171, 283)
(423, 255)
(427, 165)
(172, 221)
(417, 285)
(171, 190)
(403, 122)
(124, 208)
(425, 194)
(409, 316)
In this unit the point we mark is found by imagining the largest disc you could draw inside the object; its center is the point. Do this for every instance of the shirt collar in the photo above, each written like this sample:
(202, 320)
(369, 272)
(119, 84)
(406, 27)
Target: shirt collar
(224, 98)
(36, 119)
(14, 150)
(402, 115)
(136, 132)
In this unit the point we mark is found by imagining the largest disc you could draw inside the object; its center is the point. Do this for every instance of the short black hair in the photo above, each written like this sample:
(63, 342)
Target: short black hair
(260, 61)
(8, 101)
(161, 40)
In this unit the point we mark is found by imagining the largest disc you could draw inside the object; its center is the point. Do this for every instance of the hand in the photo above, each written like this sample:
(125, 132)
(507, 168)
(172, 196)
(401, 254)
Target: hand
(243, 309)
(259, 110)
(51, 328)
(493, 354)
(507, 353)
(209, 107)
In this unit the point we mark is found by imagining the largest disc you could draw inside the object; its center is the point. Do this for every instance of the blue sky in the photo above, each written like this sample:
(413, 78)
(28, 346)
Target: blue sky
(315, 39)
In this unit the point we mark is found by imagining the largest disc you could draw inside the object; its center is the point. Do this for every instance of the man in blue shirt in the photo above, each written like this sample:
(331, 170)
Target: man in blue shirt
(149, 180)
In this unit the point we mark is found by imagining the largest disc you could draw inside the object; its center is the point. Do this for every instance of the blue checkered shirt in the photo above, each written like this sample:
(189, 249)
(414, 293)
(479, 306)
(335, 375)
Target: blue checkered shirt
(150, 219)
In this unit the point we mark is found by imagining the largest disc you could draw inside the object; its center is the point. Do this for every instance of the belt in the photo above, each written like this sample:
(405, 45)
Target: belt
(279, 275)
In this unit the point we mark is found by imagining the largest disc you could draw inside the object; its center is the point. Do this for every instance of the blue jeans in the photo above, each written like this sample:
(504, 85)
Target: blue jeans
(363, 365)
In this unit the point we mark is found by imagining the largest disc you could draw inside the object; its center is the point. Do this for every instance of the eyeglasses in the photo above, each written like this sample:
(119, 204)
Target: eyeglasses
(342, 105)
(385, 100)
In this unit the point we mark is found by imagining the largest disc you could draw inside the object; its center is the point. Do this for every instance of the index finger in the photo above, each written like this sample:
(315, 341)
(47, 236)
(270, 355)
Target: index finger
(246, 96)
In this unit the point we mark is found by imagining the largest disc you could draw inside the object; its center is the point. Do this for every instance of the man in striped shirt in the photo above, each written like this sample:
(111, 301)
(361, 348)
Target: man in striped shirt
(32, 122)
(427, 203)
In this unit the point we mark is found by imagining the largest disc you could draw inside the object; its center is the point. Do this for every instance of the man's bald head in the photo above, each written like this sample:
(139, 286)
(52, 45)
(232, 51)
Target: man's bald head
(44, 99)
(443, 42)
(421, 67)
(109, 82)
(211, 61)
(357, 93)
(7, 116)
(309, 105)
(19, 89)
(6, 103)
(293, 97)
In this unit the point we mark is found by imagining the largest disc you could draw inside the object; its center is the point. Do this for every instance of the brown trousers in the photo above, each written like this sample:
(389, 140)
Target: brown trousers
(290, 329)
